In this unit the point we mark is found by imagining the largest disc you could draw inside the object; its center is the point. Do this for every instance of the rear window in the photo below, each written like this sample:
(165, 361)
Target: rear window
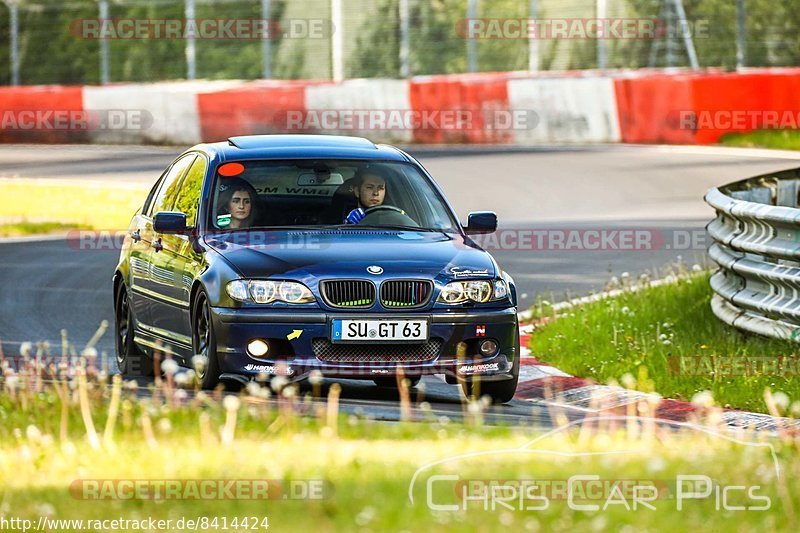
(271, 194)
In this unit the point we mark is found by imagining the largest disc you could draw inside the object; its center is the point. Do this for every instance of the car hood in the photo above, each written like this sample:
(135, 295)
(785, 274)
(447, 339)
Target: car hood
(347, 253)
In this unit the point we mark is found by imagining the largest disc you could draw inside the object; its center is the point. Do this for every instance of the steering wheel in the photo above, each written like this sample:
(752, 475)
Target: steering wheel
(394, 214)
(383, 207)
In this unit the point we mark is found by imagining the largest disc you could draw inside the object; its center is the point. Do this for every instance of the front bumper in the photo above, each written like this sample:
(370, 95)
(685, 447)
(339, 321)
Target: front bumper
(456, 333)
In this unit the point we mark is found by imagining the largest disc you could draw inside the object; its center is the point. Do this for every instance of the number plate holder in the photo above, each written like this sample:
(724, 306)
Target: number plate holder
(379, 330)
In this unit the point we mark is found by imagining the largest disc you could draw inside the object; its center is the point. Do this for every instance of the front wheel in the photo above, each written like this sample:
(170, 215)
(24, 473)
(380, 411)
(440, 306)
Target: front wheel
(132, 361)
(204, 344)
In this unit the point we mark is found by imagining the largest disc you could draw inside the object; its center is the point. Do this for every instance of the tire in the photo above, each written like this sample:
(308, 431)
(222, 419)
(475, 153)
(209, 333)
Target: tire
(391, 383)
(498, 391)
(204, 342)
(132, 361)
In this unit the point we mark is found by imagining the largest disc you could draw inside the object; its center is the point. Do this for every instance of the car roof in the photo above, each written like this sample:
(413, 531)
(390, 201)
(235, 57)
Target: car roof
(300, 147)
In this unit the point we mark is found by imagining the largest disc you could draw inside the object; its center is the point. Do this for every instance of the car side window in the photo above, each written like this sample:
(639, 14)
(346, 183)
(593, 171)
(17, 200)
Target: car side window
(189, 196)
(149, 201)
(168, 192)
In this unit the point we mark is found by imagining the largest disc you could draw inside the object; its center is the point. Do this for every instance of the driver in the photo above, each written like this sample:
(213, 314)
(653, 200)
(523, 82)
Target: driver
(370, 190)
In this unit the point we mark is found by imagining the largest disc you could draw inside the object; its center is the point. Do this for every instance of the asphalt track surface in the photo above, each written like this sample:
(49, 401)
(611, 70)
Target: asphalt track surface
(47, 286)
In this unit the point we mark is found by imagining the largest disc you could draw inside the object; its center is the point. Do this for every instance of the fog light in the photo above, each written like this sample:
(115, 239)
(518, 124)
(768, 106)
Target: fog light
(488, 347)
(258, 348)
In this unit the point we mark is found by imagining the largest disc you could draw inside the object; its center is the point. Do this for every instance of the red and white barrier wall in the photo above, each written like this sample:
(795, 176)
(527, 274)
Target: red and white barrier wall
(498, 108)
(22, 107)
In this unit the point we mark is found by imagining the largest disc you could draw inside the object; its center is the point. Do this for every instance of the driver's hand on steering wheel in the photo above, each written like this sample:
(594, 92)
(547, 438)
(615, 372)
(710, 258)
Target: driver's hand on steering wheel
(355, 216)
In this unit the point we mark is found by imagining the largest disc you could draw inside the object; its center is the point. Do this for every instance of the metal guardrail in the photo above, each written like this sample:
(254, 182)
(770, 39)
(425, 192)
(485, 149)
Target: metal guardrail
(756, 236)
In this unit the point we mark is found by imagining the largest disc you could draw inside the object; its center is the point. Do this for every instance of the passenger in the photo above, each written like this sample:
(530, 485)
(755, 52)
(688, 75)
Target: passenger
(370, 190)
(236, 201)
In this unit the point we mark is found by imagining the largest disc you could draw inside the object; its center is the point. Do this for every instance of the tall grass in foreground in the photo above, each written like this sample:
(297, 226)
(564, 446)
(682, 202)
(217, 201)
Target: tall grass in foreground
(665, 337)
(64, 420)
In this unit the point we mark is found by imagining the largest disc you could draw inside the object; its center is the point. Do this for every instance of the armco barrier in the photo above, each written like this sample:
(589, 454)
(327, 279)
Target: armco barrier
(756, 236)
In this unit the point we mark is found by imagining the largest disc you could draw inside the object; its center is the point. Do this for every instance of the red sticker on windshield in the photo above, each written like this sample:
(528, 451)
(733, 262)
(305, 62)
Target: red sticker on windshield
(231, 169)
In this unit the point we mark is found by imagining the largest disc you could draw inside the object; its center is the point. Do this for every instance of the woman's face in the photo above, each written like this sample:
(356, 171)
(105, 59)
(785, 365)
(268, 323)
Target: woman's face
(240, 205)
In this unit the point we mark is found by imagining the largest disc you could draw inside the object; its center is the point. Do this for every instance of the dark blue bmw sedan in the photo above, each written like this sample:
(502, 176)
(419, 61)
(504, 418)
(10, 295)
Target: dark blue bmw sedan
(285, 254)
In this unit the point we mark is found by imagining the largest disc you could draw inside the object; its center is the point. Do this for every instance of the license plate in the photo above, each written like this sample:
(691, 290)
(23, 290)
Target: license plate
(404, 330)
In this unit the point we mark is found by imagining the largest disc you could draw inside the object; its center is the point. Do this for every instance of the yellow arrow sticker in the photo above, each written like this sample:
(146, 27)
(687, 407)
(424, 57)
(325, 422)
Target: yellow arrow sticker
(295, 334)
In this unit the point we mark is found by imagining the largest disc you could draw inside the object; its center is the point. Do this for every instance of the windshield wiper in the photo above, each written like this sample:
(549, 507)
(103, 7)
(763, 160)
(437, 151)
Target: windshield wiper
(292, 228)
(395, 227)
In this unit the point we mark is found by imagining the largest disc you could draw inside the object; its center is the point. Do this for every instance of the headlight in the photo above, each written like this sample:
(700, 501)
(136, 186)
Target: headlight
(294, 293)
(264, 292)
(478, 291)
(453, 293)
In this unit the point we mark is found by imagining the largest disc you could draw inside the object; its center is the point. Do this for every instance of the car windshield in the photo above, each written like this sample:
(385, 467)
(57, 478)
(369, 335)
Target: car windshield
(324, 193)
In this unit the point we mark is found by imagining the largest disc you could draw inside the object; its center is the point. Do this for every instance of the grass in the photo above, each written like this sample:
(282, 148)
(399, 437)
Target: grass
(56, 433)
(37, 228)
(653, 334)
(98, 205)
(776, 139)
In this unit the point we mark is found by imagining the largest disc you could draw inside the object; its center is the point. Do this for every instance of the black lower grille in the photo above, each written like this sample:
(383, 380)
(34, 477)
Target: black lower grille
(405, 294)
(348, 294)
(327, 351)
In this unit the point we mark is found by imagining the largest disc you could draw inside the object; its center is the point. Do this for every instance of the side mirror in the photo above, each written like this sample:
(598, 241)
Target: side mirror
(169, 222)
(481, 222)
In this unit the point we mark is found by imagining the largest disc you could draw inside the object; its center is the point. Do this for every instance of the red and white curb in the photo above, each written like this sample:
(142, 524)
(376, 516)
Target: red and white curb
(547, 385)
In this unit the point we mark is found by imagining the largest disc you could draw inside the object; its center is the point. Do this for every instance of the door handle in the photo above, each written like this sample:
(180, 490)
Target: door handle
(157, 246)
(136, 236)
